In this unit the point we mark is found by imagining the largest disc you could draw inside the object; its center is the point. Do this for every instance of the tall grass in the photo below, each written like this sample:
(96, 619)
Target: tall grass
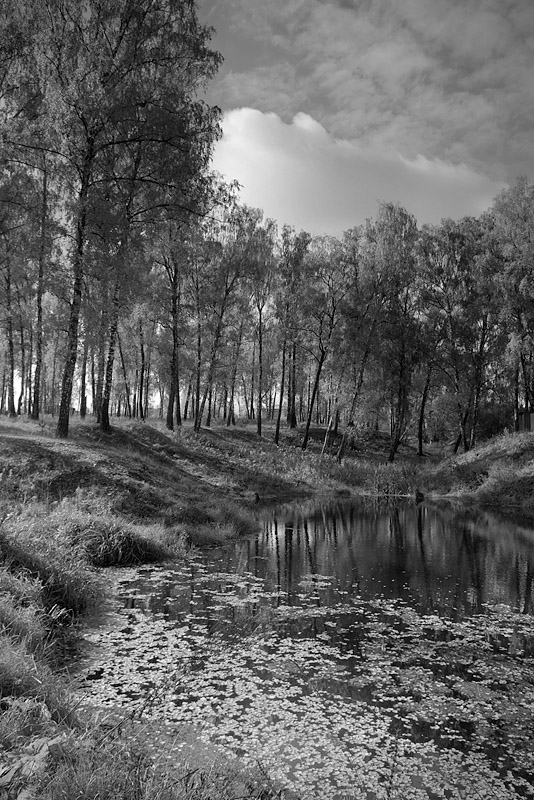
(32, 547)
(119, 769)
(391, 480)
(215, 522)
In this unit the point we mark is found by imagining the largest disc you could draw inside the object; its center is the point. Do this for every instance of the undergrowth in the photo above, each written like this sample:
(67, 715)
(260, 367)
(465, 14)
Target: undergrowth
(49, 555)
(93, 768)
(391, 480)
(51, 547)
(215, 522)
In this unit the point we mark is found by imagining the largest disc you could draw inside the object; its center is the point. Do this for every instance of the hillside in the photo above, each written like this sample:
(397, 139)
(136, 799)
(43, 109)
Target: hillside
(498, 473)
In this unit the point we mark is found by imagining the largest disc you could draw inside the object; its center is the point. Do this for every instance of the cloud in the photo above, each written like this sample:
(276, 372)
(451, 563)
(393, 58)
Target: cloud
(450, 79)
(300, 175)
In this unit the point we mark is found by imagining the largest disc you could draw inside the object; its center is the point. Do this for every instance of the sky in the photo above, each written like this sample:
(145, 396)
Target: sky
(333, 106)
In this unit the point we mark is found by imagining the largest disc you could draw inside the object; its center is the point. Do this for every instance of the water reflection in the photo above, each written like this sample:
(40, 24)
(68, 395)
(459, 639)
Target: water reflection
(337, 648)
(440, 561)
(437, 562)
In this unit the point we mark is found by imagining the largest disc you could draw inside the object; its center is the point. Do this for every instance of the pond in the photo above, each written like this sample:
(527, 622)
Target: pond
(351, 650)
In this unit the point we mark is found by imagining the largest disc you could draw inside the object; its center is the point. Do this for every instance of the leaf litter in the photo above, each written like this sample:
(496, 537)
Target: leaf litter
(362, 698)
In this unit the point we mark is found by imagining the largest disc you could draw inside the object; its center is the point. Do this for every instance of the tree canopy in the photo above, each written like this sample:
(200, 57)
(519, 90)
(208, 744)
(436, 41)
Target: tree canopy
(135, 282)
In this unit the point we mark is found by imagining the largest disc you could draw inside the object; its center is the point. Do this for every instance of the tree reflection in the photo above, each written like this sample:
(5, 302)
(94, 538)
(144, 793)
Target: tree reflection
(437, 560)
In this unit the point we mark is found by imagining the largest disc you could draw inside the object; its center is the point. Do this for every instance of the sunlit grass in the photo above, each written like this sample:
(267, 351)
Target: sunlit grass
(498, 473)
(119, 767)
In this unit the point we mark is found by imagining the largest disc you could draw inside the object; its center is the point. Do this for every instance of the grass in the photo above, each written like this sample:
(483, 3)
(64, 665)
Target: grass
(216, 523)
(391, 480)
(66, 512)
(118, 769)
(498, 473)
(31, 547)
(143, 494)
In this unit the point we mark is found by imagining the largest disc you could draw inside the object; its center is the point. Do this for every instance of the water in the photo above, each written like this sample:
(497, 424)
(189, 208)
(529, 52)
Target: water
(352, 651)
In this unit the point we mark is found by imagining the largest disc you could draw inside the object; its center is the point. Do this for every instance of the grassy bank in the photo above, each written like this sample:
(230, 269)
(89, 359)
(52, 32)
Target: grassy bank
(142, 494)
(498, 474)
(68, 509)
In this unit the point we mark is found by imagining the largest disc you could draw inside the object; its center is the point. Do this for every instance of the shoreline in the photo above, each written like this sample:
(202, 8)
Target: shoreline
(70, 509)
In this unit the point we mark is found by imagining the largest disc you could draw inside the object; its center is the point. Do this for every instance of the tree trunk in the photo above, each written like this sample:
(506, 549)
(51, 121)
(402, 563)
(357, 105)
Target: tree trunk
(281, 402)
(526, 382)
(3, 391)
(62, 430)
(174, 391)
(462, 436)
(28, 396)
(329, 428)
(312, 399)
(245, 396)
(100, 364)
(187, 399)
(93, 381)
(210, 406)
(39, 298)
(357, 390)
(124, 372)
(198, 418)
(211, 370)
(134, 399)
(516, 400)
(169, 420)
(83, 384)
(108, 380)
(401, 409)
(479, 380)
(11, 410)
(148, 372)
(260, 370)
(231, 410)
(22, 356)
(292, 390)
(421, 423)
(399, 420)
(141, 371)
(252, 380)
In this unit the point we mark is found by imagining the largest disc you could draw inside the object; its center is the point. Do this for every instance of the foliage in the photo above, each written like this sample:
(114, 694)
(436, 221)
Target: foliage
(109, 542)
(134, 282)
(498, 473)
(391, 480)
(28, 545)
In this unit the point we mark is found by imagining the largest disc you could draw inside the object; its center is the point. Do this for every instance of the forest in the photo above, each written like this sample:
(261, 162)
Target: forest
(135, 282)
(190, 613)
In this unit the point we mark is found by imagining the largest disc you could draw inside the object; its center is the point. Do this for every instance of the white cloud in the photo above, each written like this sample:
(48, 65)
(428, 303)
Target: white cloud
(448, 79)
(300, 175)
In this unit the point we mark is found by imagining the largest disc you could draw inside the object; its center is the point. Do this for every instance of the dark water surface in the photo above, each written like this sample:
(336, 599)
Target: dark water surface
(439, 561)
(351, 650)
